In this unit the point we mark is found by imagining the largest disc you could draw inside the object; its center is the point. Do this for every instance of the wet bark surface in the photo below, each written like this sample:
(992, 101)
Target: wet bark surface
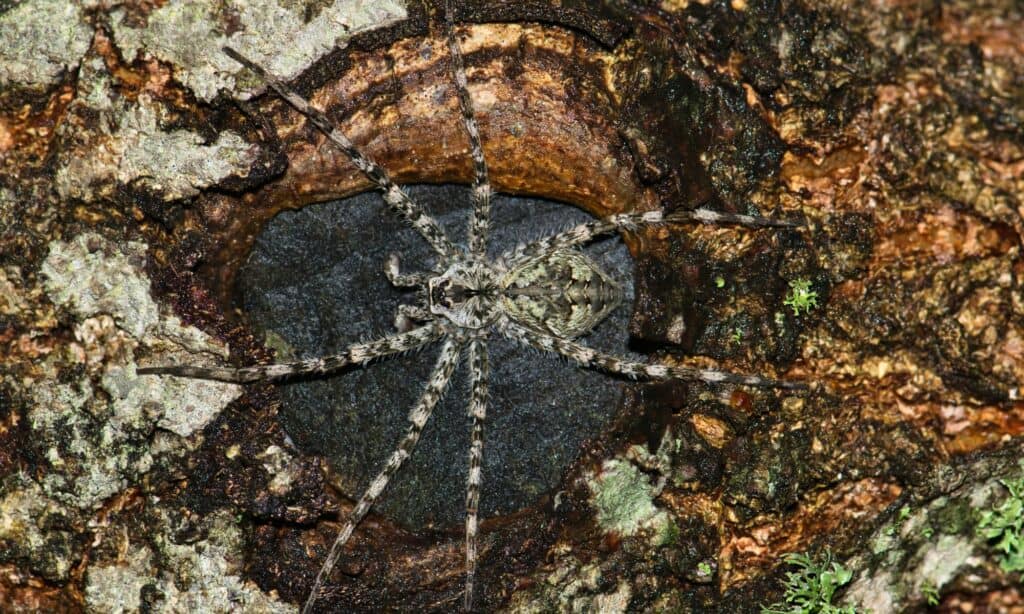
(141, 171)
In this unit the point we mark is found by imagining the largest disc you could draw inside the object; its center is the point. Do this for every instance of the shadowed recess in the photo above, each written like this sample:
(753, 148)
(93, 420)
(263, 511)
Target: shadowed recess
(315, 283)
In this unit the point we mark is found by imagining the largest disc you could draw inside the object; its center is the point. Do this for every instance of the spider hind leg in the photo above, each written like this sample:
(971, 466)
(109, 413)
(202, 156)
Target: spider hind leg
(418, 416)
(479, 372)
(593, 359)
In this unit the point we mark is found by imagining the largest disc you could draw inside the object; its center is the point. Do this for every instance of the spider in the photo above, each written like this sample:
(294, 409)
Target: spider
(543, 294)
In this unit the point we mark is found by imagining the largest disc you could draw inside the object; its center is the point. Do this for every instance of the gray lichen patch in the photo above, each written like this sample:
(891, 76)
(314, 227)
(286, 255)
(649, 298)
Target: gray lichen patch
(624, 500)
(96, 438)
(39, 40)
(116, 588)
(89, 460)
(126, 145)
(35, 531)
(198, 576)
(573, 587)
(183, 406)
(282, 468)
(279, 36)
(91, 276)
(929, 548)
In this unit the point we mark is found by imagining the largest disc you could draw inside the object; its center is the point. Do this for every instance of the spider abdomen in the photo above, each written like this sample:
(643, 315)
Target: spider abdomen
(564, 293)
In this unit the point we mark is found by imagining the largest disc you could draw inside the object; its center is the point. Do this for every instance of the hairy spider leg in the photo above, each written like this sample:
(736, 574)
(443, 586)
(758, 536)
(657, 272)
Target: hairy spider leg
(585, 232)
(392, 270)
(408, 315)
(418, 416)
(393, 194)
(359, 353)
(480, 217)
(479, 229)
(594, 359)
(479, 371)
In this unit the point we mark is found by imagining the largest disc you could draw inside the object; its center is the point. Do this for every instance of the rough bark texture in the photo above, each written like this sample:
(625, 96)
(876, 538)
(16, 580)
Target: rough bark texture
(138, 166)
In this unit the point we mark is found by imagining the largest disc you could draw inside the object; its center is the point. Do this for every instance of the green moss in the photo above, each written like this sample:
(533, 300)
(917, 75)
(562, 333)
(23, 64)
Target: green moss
(800, 296)
(1004, 525)
(811, 587)
(931, 593)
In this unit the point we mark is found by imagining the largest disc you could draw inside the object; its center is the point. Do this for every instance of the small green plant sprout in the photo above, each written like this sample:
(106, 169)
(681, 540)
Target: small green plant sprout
(704, 569)
(931, 593)
(1005, 523)
(810, 588)
(801, 296)
(719, 282)
(927, 532)
(737, 335)
(901, 517)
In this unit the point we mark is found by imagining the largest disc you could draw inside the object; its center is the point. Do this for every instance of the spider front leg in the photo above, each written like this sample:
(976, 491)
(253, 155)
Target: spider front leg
(594, 359)
(427, 226)
(392, 270)
(480, 218)
(479, 371)
(586, 232)
(418, 417)
(408, 315)
(358, 353)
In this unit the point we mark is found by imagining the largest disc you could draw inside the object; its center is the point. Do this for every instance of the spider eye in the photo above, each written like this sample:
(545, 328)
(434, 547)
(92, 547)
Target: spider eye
(439, 294)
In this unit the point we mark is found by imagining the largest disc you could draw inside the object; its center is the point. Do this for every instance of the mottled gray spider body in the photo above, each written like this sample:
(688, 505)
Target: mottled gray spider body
(543, 294)
(562, 293)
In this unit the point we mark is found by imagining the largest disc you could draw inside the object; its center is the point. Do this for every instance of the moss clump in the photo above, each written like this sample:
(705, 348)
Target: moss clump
(1004, 524)
(800, 296)
(811, 587)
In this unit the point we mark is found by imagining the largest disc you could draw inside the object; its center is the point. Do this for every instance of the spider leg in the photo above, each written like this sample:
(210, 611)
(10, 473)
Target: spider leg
(355, 354)
(408, 280)
(418, 416)
(587, 231)
(594, 359)
(393, 194)
(479, 371)
(479, 221)
(408, 315)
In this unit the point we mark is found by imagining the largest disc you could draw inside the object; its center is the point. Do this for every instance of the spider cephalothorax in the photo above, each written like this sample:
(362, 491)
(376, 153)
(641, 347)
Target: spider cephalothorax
(543, 294)
(465, 294)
